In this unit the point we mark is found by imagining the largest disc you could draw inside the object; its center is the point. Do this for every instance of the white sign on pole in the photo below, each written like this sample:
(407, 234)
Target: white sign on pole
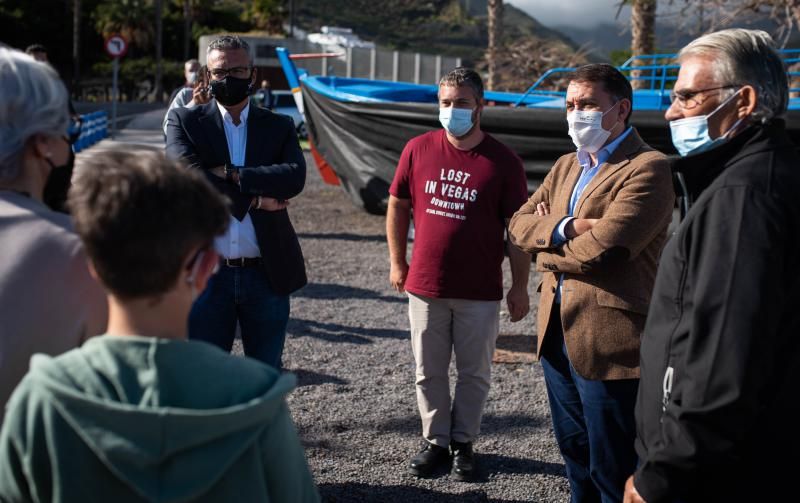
(116, 46)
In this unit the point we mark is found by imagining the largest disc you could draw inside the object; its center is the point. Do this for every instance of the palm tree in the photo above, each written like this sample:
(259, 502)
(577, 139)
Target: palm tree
(643, 21)
(159, 6)
(187, 27)
(130, 18)
(76, 44)
(495, 12)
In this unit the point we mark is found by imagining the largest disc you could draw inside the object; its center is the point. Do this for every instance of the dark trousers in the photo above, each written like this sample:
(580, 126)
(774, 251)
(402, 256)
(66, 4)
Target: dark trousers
(593, 423)
(242, 294)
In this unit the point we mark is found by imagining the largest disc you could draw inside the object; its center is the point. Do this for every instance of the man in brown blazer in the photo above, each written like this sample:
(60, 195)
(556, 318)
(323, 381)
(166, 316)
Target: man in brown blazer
(597, 225)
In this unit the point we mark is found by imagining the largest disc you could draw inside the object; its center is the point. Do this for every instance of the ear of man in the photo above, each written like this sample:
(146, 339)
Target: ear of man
(747, 101)
(201, 272)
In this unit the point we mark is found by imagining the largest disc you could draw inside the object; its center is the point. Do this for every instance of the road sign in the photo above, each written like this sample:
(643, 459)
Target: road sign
(116, 46)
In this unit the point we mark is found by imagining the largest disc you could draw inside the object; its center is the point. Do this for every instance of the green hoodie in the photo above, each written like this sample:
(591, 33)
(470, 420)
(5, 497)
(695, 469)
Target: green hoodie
(127, 418)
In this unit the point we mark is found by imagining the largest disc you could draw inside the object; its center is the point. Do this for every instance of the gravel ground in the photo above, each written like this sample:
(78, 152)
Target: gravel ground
(355, 406)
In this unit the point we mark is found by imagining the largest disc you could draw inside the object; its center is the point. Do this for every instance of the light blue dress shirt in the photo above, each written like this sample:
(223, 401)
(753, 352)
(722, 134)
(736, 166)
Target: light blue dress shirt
(588, 171)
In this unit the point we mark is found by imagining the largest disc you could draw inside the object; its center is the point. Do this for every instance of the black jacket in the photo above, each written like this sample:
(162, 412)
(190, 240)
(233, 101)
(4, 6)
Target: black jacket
(720, 356)
(274, 167)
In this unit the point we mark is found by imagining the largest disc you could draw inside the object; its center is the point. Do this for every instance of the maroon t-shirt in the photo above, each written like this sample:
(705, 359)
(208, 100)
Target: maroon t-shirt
(460, 201)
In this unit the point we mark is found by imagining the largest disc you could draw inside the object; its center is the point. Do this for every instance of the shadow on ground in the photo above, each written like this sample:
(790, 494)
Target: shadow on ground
(494, 463)
(333, 332)
(358, 492)
(342, 236)
(505, 423)
(490, 424)
(309, 378)
(334, 291)
(515, 349)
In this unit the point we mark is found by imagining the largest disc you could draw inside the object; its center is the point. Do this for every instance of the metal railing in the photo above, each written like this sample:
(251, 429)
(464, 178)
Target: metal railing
(660, 71)
(94, 127)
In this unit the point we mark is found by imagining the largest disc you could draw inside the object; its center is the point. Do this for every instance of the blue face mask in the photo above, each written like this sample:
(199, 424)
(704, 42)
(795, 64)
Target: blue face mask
(457, 121)
(690, 135)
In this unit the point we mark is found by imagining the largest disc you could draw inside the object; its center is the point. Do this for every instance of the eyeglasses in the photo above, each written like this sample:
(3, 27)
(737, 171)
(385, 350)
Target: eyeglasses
(688, 100)
(238, 72)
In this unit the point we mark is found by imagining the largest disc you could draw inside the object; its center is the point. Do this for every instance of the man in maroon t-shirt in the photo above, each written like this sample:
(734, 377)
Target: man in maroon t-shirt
(463, 186)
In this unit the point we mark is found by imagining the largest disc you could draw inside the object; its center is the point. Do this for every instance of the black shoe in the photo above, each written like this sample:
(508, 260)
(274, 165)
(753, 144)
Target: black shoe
(429, 458)
(463, 461)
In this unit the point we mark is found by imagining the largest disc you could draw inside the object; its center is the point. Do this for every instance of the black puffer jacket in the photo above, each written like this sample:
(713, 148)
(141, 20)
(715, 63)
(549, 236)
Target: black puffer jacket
(719, 397)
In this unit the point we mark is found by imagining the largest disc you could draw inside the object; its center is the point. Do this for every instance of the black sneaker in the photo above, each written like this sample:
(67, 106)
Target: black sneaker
(463, 461)
(429, 458)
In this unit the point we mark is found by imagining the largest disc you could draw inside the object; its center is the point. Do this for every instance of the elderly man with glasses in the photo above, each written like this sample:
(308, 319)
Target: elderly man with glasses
(252, 156)
(717, 407)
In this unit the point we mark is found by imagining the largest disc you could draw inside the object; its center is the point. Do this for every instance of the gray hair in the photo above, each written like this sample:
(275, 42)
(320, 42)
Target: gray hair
(749, 57)
(228, 43)
(462, 76)
(33, 100)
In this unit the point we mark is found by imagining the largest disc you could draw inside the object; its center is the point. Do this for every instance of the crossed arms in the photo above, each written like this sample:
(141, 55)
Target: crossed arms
(638, 212)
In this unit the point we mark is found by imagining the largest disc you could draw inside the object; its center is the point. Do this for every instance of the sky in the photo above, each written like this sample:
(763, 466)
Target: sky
(584, 13)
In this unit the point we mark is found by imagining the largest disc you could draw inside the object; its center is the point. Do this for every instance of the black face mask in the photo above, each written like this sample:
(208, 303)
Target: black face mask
(58, 183)
(230, 90)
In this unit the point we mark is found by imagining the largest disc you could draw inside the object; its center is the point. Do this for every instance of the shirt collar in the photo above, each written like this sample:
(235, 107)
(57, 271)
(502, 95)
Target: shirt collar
(226, 116)
(604, 153)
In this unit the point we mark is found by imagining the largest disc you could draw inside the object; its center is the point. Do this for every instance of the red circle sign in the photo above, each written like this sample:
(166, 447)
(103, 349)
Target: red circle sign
(116, 46)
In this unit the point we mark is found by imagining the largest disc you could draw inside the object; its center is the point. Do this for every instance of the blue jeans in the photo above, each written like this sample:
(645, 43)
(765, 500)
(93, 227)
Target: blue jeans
(243, 294)
(593, 423)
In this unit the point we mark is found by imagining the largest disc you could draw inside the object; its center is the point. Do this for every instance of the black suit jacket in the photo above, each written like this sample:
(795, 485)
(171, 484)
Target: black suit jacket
(274, 167)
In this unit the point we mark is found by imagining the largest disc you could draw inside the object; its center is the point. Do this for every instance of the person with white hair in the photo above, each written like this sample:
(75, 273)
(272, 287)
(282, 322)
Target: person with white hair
(49, 303)
(720, 358)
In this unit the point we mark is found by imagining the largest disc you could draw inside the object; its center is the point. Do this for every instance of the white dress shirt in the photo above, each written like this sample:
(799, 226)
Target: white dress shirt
(240, 238)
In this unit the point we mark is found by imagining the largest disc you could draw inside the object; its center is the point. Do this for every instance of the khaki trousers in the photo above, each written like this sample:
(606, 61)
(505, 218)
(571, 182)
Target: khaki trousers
(439, 328)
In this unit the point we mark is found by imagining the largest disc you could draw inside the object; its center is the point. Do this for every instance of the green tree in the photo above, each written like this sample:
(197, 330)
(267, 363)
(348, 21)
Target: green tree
(268, 15)
(133, 19)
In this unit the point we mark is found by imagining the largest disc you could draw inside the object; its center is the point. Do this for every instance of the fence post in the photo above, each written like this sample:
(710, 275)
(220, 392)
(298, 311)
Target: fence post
(324, 71)
(373, 62)
(349, 62)
(395, 65)
(417, 64)
(438, 68)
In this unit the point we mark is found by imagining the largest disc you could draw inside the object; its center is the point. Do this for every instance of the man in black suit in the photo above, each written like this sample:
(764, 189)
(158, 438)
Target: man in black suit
(252, 156)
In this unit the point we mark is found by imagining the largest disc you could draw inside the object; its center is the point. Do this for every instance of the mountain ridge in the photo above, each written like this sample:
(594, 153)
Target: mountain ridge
(449, 27)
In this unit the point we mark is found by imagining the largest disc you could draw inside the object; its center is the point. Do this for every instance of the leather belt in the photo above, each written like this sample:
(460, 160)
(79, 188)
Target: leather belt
(241, 262)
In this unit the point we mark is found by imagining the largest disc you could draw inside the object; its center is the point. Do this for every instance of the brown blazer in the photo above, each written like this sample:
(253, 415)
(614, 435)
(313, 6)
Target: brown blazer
(609, 272)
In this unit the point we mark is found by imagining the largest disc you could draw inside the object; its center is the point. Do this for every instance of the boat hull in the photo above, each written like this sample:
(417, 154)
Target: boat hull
(362, 141)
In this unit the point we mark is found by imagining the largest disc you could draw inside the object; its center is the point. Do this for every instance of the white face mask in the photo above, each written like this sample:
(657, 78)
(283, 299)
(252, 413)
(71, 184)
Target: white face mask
(457, 121)
(586, 129)
(191, 77)
(690, 135)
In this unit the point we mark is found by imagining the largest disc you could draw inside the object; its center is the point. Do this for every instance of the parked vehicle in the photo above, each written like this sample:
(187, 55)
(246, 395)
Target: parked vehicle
(283, 103)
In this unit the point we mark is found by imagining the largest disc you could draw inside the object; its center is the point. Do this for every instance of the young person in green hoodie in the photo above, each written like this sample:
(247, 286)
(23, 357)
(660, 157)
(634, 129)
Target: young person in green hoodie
(142, 413)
